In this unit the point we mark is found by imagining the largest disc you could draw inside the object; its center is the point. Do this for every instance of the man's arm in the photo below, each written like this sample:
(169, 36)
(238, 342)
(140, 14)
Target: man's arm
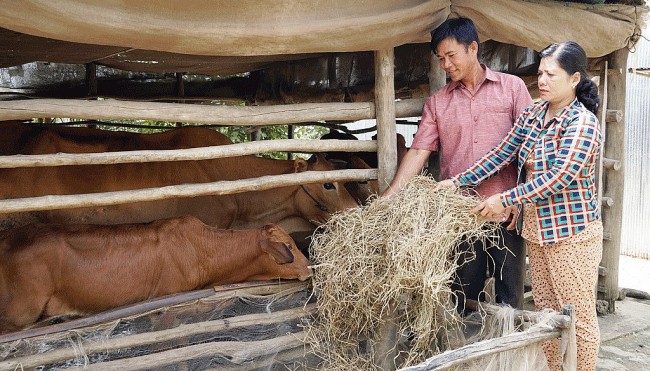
(410, 166)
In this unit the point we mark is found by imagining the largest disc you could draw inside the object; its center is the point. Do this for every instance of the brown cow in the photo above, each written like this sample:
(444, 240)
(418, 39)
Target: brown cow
(51, 270)
(36, 139)
(310, 202)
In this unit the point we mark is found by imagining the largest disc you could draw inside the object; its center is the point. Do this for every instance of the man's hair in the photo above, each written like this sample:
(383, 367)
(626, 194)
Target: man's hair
(461, 29)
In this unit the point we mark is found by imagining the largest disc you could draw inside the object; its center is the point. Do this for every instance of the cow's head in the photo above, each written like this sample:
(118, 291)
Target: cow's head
(361, 190)
(282, 259)
(317, 201)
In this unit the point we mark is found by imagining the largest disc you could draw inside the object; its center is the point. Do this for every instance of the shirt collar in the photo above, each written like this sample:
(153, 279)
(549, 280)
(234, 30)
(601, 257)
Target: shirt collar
(489, 75)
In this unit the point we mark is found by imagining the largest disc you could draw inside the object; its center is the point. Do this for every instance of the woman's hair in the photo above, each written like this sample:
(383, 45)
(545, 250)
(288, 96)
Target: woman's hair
(461, 29)
(572, 58)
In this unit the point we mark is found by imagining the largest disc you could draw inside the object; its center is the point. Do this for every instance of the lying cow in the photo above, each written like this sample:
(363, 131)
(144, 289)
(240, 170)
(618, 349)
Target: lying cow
(310, 203)
(51, 270)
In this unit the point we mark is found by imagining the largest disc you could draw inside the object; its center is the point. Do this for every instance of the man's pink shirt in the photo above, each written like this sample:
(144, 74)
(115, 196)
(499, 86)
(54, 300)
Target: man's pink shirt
(462, 126)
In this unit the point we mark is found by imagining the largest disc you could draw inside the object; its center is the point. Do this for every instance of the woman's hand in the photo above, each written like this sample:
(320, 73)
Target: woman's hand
(445, 184)
(492, 208)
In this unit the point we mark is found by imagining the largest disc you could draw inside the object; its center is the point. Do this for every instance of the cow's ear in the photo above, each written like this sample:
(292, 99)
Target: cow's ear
(280, 252)
(300, 165)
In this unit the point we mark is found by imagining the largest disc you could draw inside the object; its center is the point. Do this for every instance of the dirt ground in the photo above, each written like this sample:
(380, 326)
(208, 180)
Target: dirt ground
(625, 334)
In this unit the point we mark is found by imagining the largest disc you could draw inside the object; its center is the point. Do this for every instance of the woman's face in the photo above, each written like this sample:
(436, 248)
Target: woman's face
(555, 84)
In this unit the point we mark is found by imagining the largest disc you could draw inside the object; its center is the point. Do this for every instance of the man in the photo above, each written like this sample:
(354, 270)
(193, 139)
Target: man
(462, 121)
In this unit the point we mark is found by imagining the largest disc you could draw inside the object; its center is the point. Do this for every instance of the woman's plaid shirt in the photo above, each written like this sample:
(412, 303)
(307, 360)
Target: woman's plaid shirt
(565, 156)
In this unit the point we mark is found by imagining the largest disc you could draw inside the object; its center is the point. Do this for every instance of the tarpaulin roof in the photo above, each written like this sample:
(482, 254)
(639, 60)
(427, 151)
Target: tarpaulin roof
(224, 36)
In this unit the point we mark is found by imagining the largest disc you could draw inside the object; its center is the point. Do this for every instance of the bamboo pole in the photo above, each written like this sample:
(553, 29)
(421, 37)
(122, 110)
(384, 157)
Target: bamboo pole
(184, 190)
(385, 350)
(180, 332)
(194, 154)
(110, 109)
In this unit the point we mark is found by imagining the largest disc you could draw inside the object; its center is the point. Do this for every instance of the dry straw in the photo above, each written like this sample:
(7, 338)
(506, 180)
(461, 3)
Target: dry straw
(393, 253)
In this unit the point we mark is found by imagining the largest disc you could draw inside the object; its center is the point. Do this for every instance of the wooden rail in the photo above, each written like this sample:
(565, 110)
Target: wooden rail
(561, 326)
(204, 114)
(183, 190)
(194, 154)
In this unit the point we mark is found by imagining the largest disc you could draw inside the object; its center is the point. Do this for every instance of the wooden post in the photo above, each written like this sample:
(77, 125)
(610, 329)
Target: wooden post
(385, 349)
(180, 91)
(613, 185)
(437, 79)
(385, 115)
(568, 345)
(91, 79)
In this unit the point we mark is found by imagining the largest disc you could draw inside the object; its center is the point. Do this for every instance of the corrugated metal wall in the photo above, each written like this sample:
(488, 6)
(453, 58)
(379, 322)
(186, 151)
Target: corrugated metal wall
(635, 239)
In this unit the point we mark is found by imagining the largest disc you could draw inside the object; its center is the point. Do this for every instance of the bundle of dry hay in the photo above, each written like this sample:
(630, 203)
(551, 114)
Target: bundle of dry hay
(393, 253)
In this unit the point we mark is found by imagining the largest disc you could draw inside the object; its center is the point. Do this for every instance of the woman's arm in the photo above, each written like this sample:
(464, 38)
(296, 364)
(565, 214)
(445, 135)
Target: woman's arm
(578, 144)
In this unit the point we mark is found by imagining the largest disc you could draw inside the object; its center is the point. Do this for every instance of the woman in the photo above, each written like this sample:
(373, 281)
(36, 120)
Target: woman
(557, 142)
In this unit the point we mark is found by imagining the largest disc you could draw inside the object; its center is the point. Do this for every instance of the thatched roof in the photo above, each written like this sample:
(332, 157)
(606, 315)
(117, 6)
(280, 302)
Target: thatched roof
(224, 36)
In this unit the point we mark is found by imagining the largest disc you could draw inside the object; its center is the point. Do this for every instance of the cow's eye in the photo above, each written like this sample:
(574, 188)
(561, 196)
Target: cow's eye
(329, 186)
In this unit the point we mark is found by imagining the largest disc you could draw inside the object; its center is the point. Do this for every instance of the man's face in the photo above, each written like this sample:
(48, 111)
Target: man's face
(456, 59)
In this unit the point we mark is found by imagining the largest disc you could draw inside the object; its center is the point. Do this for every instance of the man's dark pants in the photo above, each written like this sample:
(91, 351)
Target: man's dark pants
(506, 265)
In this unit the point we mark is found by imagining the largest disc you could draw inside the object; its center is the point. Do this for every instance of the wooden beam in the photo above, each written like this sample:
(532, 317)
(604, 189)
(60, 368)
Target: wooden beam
(184, 190)
(109, 109)
(193, 154)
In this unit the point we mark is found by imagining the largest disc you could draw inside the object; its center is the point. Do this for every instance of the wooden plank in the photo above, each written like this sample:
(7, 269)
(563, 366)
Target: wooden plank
(184, 190)
(109, 109)
(180, 332)
(193, 154)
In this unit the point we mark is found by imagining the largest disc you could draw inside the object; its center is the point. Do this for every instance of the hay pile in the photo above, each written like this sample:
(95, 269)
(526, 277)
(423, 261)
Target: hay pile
(393, 253)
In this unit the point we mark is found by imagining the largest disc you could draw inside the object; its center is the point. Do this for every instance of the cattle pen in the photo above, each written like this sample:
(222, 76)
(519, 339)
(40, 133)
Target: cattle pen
(277, 56)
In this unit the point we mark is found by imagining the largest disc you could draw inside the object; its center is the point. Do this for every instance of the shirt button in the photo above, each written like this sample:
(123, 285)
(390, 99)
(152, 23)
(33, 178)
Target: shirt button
(475, 140)
(472, 99)
(475, 118)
